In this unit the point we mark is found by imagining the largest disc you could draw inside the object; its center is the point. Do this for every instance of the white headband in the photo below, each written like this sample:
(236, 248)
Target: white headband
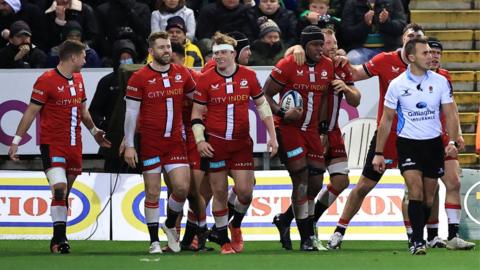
(222, 47)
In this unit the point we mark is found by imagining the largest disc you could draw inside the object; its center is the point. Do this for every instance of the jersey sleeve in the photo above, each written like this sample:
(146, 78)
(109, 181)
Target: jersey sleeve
(347, 75)
(255, 87)
(391, 97)
(447, 92)
(200, 95)
(134, 88)
(189, 83)
(280, 72)
(40, 91)
(373, 66)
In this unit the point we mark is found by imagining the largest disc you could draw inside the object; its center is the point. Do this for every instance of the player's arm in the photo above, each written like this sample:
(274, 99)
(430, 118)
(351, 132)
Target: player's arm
(23, 126)
(129, 127)
(358, 71)
(451, 126)
(265, 113)
(383, 132)
(97, 133)
(198, 129)
(352, 95)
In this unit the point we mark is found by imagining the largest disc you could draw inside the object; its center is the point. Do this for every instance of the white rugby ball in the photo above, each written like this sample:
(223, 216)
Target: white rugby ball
(291, 99)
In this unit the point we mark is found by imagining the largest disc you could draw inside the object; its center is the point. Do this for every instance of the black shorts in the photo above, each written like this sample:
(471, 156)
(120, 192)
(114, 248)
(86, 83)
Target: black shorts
(427, 156)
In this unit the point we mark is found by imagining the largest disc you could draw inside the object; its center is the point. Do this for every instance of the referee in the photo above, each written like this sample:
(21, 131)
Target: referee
(417, 96)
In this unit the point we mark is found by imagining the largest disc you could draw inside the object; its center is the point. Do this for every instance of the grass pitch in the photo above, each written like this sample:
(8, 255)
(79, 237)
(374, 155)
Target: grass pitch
(106, 255)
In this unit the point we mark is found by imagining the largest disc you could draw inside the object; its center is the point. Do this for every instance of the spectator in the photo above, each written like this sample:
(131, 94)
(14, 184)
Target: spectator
(242, 48)
(172, 8)
(20, 52)
(62, 11)
(177, 31)
(104, 100)
(124, 19)
(268, 49)
(317, 14)
(15, 10)
(223, 16)
(73, 31)
(284, 18)
(370, 27)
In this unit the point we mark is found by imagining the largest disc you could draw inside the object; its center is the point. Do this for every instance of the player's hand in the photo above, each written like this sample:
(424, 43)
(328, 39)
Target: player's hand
(383, 17)
(325, 143)
(341, 61)
(205, 149)
(451, 151)
(101, 140)
(461, 143)
(131, 157)
(60, 12)
(272, 146)
(368, 17)
(12, 152)
(341, 52)
(121, 148)
(298, 54)
(293, 115)
(378, 163)
(339, 86)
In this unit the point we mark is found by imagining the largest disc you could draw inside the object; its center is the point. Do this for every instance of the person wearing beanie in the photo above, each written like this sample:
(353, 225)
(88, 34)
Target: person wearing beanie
(16, 10)
(301, 128)
(177, 31)
(269, 48)
(20, 52)
(74, 31)
(242, 48)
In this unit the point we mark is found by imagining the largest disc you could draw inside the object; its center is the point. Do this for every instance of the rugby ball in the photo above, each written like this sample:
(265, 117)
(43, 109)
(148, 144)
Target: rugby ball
(291, 99)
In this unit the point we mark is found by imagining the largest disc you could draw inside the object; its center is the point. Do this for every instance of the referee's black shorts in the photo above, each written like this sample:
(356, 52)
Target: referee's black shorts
(427, 156)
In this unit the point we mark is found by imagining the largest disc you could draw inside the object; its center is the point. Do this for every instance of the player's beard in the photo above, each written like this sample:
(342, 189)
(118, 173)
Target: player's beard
(163, 60)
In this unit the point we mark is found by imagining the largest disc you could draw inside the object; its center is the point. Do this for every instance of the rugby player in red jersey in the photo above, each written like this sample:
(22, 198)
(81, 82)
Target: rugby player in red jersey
(59, 96)
(155, 94)
(225, 92)
(299, 129)
(336, 156)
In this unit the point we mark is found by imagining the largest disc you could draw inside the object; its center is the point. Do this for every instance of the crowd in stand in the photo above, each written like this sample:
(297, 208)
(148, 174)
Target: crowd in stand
(31, 30)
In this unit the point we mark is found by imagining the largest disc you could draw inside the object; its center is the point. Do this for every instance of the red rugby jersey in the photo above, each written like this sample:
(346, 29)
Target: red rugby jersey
(61, 114)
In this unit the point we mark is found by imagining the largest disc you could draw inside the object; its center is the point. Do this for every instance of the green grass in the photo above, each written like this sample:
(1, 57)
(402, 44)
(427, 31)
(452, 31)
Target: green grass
(388, 255)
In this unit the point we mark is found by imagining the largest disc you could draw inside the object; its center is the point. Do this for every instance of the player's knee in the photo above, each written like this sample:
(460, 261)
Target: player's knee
(415, 194)
(362, 190)
(339, 182)
(59, 194)
(453, 185)
(152, 194)
(315, 171)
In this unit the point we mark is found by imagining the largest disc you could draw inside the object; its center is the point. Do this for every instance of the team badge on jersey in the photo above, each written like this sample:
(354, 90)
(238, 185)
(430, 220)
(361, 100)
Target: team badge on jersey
(178, 78)
(243, 83)
(324, 74)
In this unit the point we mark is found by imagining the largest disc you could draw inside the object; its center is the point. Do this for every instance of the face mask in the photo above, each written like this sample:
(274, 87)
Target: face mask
(127, 61)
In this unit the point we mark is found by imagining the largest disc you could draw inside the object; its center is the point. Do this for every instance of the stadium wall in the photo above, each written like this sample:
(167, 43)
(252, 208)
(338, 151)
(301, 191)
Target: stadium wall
(25, 202)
